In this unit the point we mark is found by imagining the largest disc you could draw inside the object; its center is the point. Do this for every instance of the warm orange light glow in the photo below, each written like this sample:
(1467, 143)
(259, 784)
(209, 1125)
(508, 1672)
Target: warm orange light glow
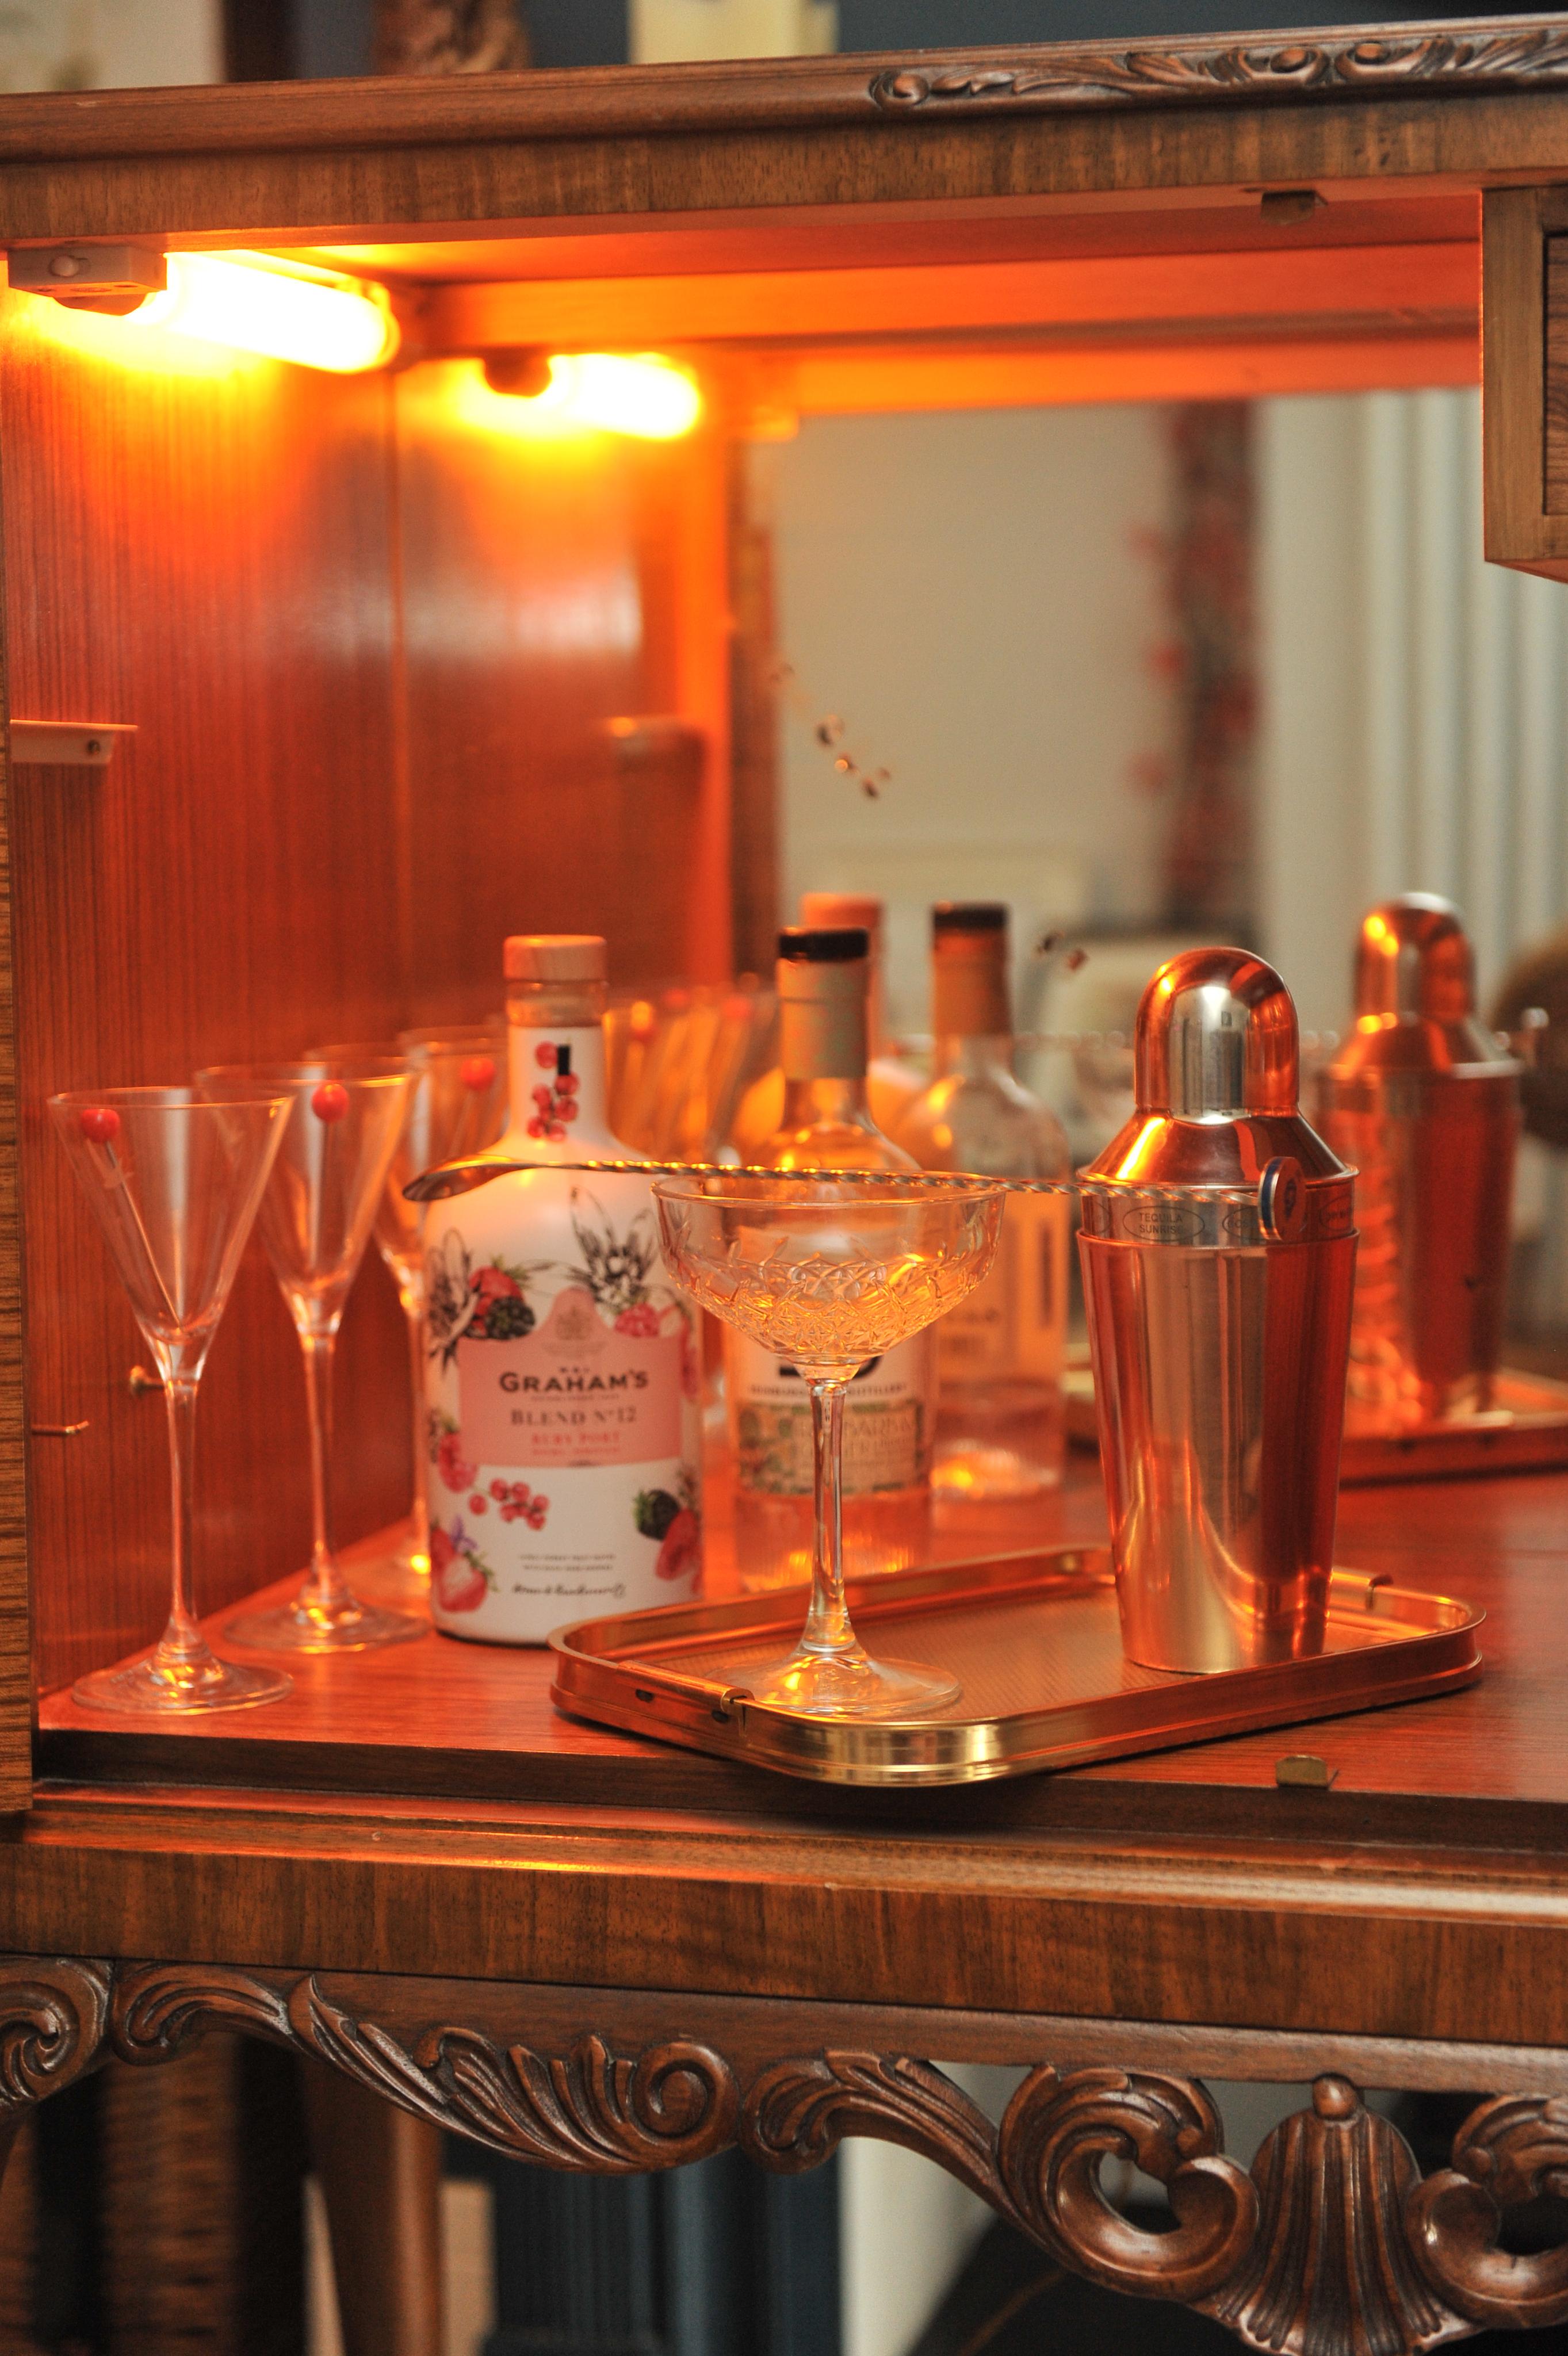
(606, 392)
(250, 302)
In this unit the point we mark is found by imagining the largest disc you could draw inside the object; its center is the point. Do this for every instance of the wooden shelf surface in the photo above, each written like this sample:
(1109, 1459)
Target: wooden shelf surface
(444, 1719)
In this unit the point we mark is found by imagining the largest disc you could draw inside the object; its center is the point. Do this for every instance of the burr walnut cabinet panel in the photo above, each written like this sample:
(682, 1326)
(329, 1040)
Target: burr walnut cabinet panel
(368, 738)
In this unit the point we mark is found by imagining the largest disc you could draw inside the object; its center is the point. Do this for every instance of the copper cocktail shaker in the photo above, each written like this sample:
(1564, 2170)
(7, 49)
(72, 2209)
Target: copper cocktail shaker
(1426, 1105)
(1218, 1256)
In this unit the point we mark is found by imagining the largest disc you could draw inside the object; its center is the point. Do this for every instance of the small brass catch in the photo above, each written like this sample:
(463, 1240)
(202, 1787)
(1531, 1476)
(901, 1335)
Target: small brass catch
(1304, 1767)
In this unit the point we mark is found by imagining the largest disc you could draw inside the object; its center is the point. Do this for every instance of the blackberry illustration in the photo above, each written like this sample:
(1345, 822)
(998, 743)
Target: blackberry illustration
(508, 1321)
(653, 1512)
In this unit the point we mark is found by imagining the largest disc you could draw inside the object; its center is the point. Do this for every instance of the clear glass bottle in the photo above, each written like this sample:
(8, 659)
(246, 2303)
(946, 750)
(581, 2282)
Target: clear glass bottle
(563, 1376)
(1000, 1421)
(890, 1409)
(891, 1085)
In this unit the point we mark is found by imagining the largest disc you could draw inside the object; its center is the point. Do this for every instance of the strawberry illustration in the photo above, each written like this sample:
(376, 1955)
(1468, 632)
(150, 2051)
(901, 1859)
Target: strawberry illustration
(640, 1322)
(460, 1585)
(682, 1550)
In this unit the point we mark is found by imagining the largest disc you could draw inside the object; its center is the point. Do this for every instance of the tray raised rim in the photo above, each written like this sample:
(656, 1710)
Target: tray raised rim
(610, 1670)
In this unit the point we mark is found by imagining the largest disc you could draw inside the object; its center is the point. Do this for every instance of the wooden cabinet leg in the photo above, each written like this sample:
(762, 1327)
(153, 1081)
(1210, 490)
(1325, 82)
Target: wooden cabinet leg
(379, 2170)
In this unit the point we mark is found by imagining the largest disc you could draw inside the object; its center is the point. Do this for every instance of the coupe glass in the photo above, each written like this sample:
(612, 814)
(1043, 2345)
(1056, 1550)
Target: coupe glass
(459, 1106)
(344, 1120)
(174, 1183)
(829, 1274)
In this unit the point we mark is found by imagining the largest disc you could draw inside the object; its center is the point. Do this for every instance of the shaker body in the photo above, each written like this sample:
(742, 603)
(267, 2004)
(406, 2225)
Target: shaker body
(1435, 1157)
(1424, 1103)
(1220, 1380)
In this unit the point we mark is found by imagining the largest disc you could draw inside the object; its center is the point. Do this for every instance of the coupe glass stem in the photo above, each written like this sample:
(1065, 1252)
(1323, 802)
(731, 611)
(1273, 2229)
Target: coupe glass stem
(827, 1628)
(419, 1543)
(182, 1647)
(325, 1590)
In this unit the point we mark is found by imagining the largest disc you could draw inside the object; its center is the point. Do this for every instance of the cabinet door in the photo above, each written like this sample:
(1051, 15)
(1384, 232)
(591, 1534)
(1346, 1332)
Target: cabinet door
(1524, 344)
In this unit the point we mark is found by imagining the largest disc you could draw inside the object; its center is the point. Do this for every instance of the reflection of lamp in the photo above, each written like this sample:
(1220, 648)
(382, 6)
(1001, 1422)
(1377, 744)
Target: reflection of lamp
(613, 392)
(248, 302)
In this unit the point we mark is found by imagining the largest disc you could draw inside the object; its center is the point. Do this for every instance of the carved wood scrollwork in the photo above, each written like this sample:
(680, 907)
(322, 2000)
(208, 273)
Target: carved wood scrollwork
(1508, 2152)
(1332, 2243)
(588, 2109)
(1167, 73)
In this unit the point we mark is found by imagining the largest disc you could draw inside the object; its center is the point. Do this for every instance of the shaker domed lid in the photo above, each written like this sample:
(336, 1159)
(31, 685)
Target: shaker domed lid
(1215, 1078)
(1415, 995)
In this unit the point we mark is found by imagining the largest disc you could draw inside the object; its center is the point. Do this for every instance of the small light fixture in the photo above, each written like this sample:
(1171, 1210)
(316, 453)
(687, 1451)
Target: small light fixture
(284, 311)
(246, 302)
(638, 393)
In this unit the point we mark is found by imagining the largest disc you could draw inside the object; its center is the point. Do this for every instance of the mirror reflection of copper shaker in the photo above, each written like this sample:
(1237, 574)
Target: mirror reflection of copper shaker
(1219, 1254)
(1426, 1105)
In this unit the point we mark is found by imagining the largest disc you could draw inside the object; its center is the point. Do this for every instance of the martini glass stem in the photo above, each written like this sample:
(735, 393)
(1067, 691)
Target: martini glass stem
(419, 1542)
(324, 1589)
(827, 1628)
(182, 1645)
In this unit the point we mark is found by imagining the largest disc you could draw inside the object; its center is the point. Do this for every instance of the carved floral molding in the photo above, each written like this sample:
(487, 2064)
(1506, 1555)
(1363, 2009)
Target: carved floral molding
(1429, 59)
(1332, 2241)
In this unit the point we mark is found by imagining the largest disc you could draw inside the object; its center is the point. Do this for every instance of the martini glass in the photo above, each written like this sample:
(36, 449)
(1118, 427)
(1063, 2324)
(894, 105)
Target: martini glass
(459, 1106)
(344, 1118)
(174, 1184)
(828, 1274)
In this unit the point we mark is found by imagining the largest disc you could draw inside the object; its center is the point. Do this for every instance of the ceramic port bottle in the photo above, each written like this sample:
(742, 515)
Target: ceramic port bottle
(1426, 1105)
(563, 1382)
(1000, 1424)
(890, 1407)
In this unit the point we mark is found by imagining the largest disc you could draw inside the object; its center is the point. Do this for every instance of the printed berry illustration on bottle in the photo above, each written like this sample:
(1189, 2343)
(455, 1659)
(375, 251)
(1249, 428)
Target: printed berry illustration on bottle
(564, 1380)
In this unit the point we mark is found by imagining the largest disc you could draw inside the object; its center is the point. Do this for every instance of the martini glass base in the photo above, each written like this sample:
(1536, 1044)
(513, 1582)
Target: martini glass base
(215, 1685)
(851, 1685)
(352, 1627)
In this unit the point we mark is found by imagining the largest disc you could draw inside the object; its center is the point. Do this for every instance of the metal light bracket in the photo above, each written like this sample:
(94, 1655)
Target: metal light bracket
(66, 744)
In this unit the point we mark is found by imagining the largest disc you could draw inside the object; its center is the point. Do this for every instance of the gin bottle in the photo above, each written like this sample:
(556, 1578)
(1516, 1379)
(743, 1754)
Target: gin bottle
(889, 1407)
(1000, 1421)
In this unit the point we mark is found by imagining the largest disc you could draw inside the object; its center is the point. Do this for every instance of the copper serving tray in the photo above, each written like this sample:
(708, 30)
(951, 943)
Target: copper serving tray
(1036, 1643)
(1527, 1429)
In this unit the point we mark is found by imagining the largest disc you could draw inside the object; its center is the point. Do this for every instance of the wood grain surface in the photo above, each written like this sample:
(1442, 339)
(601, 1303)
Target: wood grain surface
(341, 161)
(453, 1720)
(204, 554)
(369, 659)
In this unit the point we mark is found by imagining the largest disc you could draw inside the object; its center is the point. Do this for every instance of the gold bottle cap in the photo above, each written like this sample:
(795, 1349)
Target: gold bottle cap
(556, 957)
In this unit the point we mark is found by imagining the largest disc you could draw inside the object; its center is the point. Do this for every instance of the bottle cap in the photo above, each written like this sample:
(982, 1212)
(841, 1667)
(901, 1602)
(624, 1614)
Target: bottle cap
(980, 921)
(556, 957)
(971, 998)
(822, 980)
(823, 944)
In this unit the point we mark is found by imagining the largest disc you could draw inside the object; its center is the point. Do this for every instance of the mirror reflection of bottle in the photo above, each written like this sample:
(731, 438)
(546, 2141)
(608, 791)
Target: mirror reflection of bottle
(1000, 1423)
(889, 1410)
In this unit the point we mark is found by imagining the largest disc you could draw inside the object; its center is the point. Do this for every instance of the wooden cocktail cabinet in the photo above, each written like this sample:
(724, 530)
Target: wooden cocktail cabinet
(311, 680)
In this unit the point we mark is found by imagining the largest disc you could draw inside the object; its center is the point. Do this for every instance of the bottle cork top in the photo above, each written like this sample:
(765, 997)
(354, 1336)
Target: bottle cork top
(556, 957)
(823, 944)
(956, 923)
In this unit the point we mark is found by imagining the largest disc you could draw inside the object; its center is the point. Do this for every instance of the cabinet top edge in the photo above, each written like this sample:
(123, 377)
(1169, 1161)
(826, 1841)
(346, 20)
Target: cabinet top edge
(1414, 61)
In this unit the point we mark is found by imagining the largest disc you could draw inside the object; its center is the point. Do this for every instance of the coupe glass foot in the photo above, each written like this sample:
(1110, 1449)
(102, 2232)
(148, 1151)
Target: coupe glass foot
(852, 1684)
(149, 1686)
(301, 1627)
